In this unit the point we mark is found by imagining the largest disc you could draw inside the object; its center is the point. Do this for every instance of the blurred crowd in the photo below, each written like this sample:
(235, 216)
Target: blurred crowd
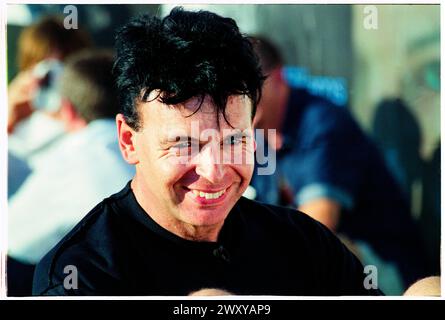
(63, 152)
(63, 158)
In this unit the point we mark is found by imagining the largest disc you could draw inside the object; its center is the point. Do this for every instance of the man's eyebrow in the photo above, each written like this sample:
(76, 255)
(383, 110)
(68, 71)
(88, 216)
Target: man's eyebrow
(238, 134)
(176, 138)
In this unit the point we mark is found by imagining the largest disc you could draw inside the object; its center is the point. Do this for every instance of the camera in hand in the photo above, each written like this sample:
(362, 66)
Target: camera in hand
(48, 93)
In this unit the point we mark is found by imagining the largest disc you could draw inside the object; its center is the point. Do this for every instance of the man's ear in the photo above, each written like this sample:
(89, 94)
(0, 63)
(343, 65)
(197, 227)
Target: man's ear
(69, 116)
(126, 136)
(278, 74)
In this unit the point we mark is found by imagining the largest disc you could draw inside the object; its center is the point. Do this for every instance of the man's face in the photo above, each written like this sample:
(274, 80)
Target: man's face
(185, 164)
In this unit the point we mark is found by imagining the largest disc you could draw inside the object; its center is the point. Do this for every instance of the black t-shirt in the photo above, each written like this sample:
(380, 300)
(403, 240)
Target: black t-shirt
(117, 249)
(326, 154)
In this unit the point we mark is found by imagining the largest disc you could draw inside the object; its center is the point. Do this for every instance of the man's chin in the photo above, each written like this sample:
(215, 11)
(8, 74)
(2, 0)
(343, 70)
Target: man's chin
(206, 217)
(207, 212)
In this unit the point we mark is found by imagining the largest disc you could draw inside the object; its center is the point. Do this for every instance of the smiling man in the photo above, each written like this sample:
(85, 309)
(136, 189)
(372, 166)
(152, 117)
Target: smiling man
(189, 85)
(185, 180)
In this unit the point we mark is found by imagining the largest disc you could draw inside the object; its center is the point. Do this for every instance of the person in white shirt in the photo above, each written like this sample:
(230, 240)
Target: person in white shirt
(78, 171)
(33, 123)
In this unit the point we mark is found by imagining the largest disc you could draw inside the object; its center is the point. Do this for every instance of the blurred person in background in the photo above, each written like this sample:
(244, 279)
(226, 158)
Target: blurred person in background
(329, 169)
(77, 171)
(33, 105)
(33, 100)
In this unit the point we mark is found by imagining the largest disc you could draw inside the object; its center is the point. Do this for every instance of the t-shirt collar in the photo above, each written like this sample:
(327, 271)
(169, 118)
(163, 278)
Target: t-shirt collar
(225, 235)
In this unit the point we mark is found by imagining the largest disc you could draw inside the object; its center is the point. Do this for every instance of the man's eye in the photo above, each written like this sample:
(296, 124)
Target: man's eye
(183, 145)
(234, 140)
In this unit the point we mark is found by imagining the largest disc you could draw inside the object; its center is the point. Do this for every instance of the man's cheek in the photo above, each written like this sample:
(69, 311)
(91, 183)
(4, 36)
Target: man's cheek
(175, 163)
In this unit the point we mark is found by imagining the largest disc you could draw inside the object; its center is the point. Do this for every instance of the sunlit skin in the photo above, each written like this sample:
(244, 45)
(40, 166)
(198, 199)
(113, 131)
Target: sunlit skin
(166, 186)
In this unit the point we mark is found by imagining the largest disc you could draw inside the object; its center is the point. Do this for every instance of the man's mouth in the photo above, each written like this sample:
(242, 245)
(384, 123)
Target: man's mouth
(208, 195)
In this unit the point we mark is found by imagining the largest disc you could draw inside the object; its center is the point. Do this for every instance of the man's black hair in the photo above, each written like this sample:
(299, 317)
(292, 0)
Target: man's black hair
(184, 55)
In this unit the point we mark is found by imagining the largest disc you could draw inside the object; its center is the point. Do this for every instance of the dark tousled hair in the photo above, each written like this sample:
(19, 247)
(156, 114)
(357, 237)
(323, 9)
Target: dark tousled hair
(184, 55)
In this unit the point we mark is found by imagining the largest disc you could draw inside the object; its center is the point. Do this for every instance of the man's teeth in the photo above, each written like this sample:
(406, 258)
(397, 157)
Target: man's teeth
(206, 195)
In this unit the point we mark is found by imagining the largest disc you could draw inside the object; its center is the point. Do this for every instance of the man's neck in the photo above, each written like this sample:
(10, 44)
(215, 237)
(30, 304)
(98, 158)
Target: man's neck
(76, 125)
(169, 222)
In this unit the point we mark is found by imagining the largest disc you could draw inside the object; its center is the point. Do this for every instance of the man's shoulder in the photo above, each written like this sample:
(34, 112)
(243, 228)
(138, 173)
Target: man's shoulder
(305, 100)
(285, 220)
(338, 271)
(317, 113)
(92, 236)
(280, 214)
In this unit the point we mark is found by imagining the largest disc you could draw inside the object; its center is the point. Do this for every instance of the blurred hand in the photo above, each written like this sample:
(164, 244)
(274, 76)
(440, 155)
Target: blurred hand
(210, 292)
(429, 287)
(20, 94)
(324, 210)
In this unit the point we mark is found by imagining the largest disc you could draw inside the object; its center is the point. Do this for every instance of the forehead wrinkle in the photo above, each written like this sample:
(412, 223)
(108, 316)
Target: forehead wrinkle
(168, 116)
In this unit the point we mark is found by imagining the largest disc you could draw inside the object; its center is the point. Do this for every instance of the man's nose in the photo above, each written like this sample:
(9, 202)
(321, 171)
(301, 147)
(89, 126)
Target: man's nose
(209, 164)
